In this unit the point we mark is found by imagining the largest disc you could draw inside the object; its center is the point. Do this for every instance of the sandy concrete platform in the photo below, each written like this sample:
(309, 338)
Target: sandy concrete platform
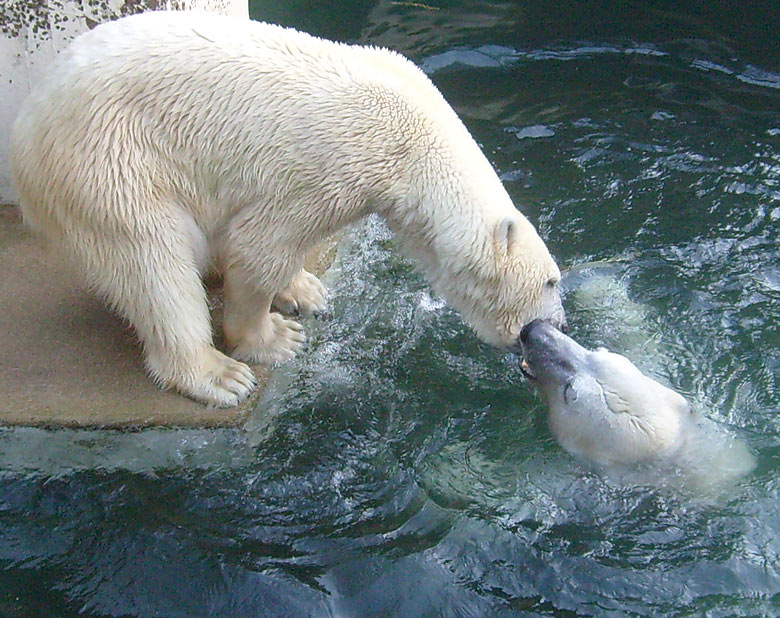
(67, 360)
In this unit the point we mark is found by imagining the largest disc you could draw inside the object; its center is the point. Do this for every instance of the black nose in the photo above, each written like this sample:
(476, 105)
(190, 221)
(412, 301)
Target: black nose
(525, 333)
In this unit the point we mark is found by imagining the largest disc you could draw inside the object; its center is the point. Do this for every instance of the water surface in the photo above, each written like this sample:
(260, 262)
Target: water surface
(400, 467)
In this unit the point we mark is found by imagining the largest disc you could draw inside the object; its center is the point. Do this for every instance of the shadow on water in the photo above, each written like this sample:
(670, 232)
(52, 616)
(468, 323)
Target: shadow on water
(401, 468)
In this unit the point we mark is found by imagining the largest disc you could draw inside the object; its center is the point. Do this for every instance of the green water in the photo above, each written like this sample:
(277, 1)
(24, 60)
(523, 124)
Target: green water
(401, 468)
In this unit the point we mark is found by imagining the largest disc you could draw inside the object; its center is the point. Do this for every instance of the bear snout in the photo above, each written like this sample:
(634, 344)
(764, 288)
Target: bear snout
(539, 327)
(526, 332)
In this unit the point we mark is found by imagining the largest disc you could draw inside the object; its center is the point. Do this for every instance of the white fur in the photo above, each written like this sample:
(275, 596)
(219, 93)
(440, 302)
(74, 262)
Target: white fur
(605, 411)
(601, 407)
(166, 143)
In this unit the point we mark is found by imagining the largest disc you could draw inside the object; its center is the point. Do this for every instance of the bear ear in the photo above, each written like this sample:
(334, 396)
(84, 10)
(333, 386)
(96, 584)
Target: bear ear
(506, 233)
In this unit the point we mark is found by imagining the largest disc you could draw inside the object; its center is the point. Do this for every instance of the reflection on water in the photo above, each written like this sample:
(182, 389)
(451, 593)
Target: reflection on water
(401, 468)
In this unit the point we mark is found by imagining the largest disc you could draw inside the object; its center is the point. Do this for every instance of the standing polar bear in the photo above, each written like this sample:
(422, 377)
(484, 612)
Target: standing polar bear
(166, 144)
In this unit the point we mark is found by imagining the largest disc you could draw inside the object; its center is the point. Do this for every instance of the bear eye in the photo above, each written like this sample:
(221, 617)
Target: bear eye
(552, 282)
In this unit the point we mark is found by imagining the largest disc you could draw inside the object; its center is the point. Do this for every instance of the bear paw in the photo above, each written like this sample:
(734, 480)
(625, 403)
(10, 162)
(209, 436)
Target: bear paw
(305, 295)
(220, 381)
(278, 341)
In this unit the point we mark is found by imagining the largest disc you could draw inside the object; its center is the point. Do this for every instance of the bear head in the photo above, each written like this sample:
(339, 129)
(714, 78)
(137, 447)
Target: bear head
(601, 407)
(500, 276)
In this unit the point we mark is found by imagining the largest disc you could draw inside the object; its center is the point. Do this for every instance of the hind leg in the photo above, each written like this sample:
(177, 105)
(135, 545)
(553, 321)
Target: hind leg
(152, 279)
(304, 295)
(255, 333)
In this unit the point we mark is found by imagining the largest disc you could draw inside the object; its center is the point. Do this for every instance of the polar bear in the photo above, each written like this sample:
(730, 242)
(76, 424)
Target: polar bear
(603, 410)
(166, 144)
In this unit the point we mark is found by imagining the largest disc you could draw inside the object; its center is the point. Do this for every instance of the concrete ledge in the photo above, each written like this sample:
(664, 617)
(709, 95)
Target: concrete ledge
(66, 360)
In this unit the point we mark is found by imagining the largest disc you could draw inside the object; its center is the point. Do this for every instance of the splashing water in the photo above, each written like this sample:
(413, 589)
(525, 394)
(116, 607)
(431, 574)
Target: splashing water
(401, 468)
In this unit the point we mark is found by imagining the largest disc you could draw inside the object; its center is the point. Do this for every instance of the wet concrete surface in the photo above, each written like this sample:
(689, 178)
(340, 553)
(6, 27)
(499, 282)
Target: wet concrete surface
(67, 360)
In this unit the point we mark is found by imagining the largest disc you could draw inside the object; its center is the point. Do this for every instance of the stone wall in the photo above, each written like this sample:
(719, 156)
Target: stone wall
(33, 31)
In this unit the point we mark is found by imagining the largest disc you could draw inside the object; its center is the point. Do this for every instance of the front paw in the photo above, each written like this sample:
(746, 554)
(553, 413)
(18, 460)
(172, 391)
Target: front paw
(214, 379)
(278, 340)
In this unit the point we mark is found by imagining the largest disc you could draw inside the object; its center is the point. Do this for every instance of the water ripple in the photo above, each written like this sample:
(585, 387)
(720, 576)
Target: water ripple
(400, 467)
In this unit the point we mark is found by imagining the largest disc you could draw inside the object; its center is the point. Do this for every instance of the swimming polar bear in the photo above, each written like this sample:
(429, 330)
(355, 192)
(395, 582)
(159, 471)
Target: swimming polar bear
(602, 409)
(164, 144)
